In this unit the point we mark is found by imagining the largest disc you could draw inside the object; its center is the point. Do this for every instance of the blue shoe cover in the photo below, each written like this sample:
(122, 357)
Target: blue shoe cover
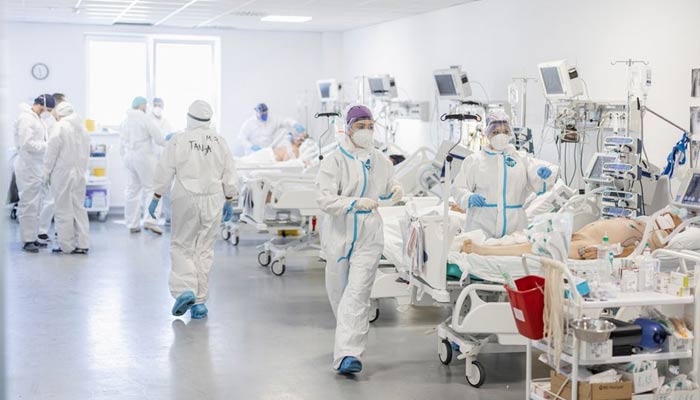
(350, 365)
(199, 311)
(183, 303)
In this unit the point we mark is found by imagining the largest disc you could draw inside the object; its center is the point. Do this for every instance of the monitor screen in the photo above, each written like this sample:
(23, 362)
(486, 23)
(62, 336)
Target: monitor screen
(597, 171)
(445, 85)
(325, 89)
(552, 80)
(376, 85)
(691, 196)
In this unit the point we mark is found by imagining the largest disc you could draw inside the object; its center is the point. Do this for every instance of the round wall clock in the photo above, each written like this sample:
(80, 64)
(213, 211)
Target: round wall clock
(40, 71)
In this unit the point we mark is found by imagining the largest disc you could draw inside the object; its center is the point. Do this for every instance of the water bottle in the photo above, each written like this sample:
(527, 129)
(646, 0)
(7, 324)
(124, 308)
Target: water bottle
(647, 270)
(606, 258)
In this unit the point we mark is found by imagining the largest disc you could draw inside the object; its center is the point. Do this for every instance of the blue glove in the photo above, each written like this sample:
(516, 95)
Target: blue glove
(152, 207)
(228, 211)
(544, 172)
(255, 147)
(299, 128)
(169, 136)
(476, 200)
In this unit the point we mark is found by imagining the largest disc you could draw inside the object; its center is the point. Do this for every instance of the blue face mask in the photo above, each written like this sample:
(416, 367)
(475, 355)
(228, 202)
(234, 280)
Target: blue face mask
(262, 117)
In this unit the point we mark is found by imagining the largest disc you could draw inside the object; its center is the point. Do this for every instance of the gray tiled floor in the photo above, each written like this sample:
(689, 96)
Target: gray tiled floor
(98, 327)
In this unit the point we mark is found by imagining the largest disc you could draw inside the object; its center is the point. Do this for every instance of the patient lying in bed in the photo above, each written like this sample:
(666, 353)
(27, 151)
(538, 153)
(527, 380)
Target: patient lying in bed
(627, 232)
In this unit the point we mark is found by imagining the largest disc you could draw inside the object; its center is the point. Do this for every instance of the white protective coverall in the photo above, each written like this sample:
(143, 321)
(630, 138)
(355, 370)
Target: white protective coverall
(30, 141)
(66, 165)
(140, 139)
(199, 162)
(505, 179)
(352, 240)
(47, 209)
(161, 122)
(255, 132)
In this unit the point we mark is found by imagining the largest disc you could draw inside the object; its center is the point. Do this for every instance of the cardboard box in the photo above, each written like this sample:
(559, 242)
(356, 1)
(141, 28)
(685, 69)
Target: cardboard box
(542, 389)
(644, 381)
(677, 345)
(680, 395)
(591, 351)
(588, 391)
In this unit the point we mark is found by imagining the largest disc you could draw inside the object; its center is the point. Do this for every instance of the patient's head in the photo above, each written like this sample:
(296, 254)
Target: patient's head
(664, 225)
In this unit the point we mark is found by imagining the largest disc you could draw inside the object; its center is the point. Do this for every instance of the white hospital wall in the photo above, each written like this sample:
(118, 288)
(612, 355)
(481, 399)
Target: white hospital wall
(280, 68)
(494, 40)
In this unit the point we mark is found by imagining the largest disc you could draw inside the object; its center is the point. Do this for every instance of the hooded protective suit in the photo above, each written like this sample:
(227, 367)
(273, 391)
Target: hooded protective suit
(30, 141)
(255, 132)
(505, 179)
(47, 208)
(352, 239)
(65, 166)
(199, 162)
(140, 139)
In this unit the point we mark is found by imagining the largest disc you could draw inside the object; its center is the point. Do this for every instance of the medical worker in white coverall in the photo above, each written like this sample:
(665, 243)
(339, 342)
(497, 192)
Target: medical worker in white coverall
(351, 181)
(200, 164)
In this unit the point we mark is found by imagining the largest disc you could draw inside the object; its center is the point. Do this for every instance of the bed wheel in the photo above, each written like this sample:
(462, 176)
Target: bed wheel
(264, 258)
(445, 352)
(374, 311)
(225, 234)
(236, 240)
(13, 213)
(477, 375)
(278, 268)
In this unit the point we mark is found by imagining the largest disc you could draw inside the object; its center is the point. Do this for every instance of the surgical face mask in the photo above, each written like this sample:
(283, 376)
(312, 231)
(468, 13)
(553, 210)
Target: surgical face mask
(158, 112)
(262, 117)
(363, 138)
(46, 115)
(499, 142)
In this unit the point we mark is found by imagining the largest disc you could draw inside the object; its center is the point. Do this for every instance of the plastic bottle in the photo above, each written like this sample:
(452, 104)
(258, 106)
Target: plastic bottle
(647, 270)
(606, 255)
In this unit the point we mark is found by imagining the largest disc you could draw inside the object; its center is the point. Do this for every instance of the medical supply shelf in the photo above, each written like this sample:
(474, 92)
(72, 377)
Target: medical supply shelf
(98, 184)
(660, 356)
(639, 299)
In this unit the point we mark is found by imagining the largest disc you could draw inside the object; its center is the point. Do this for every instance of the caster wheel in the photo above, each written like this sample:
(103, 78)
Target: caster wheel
(445, 352)
(477, 375)
(236, 240)
(278, 268)
(374, 311)
(102, 217)
(264, 258)
(13, 213)
(225, 234)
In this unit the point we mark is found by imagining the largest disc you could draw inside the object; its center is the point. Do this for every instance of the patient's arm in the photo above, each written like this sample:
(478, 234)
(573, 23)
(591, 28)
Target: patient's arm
(507, 250)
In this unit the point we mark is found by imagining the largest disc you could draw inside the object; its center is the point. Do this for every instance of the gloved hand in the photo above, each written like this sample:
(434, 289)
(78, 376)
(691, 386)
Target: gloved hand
(169, 136)
(396, 193)
(255, 147)
(228, 211)
(152, 207)
(476, 200)
(365, 204)
(544, 172)
(299, 128)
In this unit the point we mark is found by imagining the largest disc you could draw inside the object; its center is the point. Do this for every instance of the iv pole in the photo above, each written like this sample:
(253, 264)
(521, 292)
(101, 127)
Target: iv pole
(644, 109)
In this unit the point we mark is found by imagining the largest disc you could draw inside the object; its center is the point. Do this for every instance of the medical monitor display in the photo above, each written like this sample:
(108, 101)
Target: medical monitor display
(691, 196)
(597, 170)
(552, 80)
(376, 86)
(445, 85)
(325, 90)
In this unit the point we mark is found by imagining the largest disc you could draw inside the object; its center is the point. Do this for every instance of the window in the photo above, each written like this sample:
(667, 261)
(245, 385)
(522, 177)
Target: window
(117, 72)
(184, 72)
(178, 70)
